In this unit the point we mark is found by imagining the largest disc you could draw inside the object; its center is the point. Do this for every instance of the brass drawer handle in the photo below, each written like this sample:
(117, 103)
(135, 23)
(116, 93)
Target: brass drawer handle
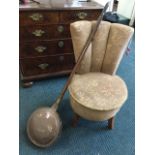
(38, 33)
(40, 49)
(36, 16)
(43, 66)
(61, 44)
(82, 15)
(60, 28)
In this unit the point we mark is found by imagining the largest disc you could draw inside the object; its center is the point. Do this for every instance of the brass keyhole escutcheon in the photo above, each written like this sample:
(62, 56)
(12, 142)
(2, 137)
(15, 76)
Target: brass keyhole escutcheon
(61, 44)
(60, 28)
(82, 15)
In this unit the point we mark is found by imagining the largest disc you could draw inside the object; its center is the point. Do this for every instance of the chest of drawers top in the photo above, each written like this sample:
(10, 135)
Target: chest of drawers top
(60, 5)
(58, 11)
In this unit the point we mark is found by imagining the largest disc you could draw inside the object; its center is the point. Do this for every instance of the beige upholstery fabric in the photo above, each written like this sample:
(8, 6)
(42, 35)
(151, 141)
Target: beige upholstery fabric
(107, 48)
(80, 33)
(89, 114)
(98, 91)
(96, 96)
(118, 40)
(99, 95)
(99, 46)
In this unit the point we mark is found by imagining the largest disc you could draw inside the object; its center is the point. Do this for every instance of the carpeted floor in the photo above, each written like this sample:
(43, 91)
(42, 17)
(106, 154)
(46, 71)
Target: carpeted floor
(89, 138)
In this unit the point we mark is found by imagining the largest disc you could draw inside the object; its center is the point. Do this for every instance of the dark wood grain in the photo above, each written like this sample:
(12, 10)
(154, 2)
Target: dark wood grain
(30, 66)
(111, 123)
(74, 15)
(29, 49)
(75, 120)
(59, 73)
(47, 17)
(50, 32)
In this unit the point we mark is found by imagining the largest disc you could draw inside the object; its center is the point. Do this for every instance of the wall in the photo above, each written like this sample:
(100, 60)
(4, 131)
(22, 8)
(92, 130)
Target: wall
(125, 8)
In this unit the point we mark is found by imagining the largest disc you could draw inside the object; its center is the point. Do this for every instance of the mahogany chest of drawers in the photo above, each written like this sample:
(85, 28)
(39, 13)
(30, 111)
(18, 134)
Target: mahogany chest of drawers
(45, 46)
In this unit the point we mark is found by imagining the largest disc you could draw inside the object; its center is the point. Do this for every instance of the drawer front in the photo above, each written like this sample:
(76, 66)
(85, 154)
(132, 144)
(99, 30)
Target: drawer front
(35, 18)
(44, 32)
(44, 65)
(43, 48)
(75, 15)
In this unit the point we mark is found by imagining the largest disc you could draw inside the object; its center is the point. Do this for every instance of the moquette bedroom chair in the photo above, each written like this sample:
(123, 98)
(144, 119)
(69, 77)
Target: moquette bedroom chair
(96, 93)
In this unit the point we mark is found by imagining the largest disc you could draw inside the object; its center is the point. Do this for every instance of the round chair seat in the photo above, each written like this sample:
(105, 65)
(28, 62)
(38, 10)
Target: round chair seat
(97, 96)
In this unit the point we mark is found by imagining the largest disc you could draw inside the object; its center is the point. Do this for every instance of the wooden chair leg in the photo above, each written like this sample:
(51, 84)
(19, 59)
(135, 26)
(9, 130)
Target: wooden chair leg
(75, 120)
(111, 123)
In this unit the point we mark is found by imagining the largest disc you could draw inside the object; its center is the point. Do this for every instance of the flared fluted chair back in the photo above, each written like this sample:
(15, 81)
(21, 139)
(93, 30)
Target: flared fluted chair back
(107, 48)
(96, 93)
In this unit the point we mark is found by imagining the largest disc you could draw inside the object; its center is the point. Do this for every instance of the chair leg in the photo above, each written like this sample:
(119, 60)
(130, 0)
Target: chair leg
(111, 123)
(75, 120)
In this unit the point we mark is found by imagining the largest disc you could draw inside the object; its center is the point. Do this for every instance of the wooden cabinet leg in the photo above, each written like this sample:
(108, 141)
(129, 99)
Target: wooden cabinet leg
(27, 84)
(111, 123)
(75, 120)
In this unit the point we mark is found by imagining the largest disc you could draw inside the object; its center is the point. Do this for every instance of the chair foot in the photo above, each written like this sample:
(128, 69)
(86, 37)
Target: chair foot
(111, 123)
(75, 120)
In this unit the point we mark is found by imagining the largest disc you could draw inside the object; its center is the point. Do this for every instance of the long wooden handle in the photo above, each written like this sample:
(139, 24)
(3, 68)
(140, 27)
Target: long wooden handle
(83, 51)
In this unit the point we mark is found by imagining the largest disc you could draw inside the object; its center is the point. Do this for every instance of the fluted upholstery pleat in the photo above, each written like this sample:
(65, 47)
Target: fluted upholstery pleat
(99, 45)
(118, 40)
(106, 50)
(80, 31)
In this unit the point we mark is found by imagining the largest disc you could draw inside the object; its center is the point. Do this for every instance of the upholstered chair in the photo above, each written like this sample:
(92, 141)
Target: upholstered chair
(96, 93)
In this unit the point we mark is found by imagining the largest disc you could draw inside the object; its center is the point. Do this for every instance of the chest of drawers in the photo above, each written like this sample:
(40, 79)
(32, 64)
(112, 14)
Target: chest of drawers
(45, 46)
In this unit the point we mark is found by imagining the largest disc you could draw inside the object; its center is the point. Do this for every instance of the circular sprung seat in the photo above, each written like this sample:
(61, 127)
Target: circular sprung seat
(97, 96)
